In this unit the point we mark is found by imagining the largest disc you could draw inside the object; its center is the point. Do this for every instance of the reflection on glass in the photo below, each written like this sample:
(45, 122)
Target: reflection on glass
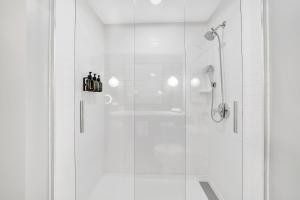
(108, 99)
(176, 109)
(159, 92)
(114, 82)
(155, 42)
(173, 81)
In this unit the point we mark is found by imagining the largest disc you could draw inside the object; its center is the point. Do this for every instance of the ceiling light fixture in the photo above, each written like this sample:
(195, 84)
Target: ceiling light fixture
(156, 2)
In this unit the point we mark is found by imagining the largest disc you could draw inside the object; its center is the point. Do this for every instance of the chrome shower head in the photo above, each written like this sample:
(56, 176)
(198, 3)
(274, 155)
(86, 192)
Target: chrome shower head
(210, 35)
(210, 69)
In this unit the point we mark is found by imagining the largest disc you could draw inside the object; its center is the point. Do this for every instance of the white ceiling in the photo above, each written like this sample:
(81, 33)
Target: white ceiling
(169, 11)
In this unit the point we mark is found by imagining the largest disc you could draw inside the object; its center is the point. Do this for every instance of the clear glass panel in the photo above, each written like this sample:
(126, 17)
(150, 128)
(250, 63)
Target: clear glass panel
(214, 151)
(105, 46)
(159, 100)
(150, 133)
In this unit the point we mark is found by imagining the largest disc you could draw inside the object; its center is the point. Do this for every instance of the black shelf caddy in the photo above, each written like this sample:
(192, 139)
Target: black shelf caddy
(92, 84)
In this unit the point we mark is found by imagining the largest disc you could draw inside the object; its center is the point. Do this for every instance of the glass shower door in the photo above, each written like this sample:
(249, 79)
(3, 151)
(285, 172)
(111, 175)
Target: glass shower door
(159, 82)
(104, 120)
(214, 146)
(150, 134)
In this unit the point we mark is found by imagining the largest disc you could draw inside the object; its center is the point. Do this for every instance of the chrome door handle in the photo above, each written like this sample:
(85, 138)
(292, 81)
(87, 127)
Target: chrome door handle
(81, 117)
(235, 116)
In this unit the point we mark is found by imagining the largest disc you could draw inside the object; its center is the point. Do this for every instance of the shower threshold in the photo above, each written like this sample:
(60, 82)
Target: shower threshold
(151, 187)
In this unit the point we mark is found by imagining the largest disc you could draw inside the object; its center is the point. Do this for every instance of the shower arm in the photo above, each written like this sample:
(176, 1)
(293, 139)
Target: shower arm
(223, 25)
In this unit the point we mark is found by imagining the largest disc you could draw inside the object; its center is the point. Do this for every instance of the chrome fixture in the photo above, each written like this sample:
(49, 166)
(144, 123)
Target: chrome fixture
(223, 108)
(210, 71)
(235, 117)
(81, 117)
(210, 35)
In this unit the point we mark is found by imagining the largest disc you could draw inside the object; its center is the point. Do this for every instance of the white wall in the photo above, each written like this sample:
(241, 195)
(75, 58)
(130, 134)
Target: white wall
(89, 58)
(24, 101)
(198, 100)
(64, 170)
(225, 146)
(90, 145)
(119, 126)
(12, 104)
(37, 71)
(285, 97)
(253, 99)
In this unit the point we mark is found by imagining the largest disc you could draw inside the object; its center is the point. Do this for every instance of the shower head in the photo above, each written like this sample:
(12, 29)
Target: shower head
(210, 69)
(210, 35)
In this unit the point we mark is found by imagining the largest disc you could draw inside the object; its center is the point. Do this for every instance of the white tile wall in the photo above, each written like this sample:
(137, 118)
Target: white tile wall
(90, 58)
(225, 146)
(285, 97)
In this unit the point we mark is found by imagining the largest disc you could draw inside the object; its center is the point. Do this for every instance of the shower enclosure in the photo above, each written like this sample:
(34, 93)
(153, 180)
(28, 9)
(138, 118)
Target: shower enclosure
(151, 134)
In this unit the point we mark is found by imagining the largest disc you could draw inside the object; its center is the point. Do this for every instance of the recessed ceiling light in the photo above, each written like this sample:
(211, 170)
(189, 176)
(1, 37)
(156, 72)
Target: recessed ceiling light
(156, 2)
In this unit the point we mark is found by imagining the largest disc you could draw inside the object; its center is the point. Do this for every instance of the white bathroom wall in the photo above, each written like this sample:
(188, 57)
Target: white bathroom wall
(37, 98)
(12, 103)
(225, 146)
(284, 47)
(24, 101)
(89, 58)
(119, 103)
(198, 98)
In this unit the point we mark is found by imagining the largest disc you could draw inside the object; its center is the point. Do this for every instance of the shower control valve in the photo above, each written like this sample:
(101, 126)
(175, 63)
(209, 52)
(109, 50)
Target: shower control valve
(213, 84)
(224, 110)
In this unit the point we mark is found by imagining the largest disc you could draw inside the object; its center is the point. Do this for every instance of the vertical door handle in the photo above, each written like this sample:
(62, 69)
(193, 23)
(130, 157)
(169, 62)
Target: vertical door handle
(81, 117)
(235, 117)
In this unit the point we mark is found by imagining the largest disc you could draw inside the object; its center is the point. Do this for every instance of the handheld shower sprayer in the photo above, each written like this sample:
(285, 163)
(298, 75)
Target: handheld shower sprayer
(223, 108)
(210, 73)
